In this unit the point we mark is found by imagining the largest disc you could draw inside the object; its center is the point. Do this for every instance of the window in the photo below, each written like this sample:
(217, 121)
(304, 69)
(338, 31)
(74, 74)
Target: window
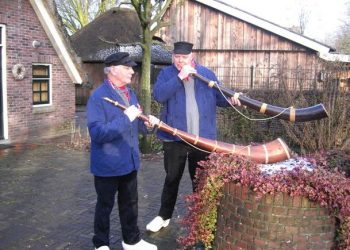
(41, 84)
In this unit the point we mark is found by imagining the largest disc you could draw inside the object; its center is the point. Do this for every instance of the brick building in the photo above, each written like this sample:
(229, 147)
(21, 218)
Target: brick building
(38, 72)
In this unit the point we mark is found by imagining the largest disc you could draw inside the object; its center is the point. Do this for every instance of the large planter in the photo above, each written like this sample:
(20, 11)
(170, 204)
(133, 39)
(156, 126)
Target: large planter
(274, 222)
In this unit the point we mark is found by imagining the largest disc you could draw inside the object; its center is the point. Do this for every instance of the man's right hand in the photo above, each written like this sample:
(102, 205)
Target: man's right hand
(132, 112)
(186, 71)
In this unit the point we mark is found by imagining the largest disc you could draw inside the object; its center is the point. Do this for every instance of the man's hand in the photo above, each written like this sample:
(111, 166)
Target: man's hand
(186, 71)
(152, 121)
(235, 101)
(132, 112)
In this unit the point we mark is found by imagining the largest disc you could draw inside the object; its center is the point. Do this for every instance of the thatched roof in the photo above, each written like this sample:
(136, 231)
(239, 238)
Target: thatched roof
(115, 30)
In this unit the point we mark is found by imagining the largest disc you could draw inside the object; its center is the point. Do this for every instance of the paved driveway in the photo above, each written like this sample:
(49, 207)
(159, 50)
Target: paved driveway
(47, 200)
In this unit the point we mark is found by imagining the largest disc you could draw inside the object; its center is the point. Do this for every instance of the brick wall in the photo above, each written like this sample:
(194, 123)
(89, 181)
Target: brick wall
(24, 120)
(274, 222)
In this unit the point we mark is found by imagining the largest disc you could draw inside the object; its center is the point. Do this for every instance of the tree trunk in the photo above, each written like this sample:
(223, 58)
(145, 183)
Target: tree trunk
(145, 95)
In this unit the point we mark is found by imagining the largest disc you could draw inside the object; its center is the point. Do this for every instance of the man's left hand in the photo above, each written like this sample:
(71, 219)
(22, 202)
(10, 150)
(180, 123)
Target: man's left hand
(152, 121)
(235, 101)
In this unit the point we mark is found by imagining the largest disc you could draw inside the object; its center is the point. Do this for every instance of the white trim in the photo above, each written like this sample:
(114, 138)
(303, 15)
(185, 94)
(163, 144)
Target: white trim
(230, 10)
(4, 82)
(56, 39)
(335, 57)
(50, 85)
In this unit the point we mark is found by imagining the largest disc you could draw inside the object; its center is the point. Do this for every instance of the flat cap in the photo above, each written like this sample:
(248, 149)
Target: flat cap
(183, 48)
(119, 58)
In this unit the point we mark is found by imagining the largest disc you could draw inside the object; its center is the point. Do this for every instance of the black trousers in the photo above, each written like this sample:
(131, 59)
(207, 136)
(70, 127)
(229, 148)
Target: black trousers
(175, 156)
(106, 189)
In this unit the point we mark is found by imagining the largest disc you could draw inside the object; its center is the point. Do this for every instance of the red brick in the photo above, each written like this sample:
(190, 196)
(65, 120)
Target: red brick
(278, 199)
(280, 211)
(276, 228)
(287, 200)
(305, 202)
(245, 194)
(269, 199)
(295, 211)
(264, 209)
(285, 227)
(259, 242)
(297, 201)
(247, 237)
(291, 230)
(311, 212)
(241, 244)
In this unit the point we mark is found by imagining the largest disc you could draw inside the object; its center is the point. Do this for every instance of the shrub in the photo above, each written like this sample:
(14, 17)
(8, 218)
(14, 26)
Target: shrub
(324, 185)
(297, 88)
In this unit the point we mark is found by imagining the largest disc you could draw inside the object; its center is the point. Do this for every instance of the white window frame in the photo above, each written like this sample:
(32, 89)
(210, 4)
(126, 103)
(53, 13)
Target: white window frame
(50, 84)
(4, 81)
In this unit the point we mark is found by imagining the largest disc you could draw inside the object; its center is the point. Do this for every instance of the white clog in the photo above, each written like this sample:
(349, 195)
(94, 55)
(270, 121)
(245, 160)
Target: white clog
(156, 224)
(141, 245)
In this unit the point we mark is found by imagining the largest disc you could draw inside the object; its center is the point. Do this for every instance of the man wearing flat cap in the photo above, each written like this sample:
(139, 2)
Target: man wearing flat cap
(188, 105)
(114, 154)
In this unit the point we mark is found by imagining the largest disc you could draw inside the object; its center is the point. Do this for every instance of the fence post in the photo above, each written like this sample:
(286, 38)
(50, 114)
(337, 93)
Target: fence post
(251, 76)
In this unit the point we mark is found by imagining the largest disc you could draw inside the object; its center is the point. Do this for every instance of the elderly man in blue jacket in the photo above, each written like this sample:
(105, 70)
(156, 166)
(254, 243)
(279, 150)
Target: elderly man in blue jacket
(115, 153)
(190, 106)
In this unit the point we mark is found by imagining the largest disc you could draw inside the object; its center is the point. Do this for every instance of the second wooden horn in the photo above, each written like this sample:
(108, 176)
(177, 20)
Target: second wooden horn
(316, 112)
(271, 152)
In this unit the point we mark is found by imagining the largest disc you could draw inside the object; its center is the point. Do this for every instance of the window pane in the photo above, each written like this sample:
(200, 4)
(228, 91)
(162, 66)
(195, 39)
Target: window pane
(40, 71)
(44, 86)
(36, 86)
(44, 97)
(36, 97)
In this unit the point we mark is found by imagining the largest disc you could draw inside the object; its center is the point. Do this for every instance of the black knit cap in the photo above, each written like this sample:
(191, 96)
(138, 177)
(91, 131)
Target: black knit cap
(119, 58)
(183, 48)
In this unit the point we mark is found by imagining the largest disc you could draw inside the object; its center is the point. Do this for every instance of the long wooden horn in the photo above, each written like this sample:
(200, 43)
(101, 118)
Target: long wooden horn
(271, 152)
(316, 112)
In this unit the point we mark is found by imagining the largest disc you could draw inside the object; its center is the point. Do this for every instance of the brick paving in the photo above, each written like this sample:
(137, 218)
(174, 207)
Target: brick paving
(47, 200)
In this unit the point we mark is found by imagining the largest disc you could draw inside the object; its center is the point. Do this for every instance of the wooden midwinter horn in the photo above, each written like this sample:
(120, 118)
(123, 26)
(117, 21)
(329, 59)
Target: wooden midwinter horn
(315, 112)
(271, 152)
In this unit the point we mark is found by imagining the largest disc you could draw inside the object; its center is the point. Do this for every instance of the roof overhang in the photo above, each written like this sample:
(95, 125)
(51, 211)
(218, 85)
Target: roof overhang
(56, 39)
(266, 25)
(333, 57)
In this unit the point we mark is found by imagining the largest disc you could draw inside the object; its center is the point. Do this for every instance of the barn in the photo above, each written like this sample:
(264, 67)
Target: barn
(246, 51)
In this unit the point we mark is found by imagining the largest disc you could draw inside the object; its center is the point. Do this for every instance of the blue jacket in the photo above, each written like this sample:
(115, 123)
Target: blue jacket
(169, 91)
(114, 139)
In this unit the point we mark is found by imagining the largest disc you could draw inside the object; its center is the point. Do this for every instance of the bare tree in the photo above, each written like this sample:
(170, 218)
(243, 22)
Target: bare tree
(342, 39)
(150, 13)
(303, 14)
(303, 18)
(76, 14)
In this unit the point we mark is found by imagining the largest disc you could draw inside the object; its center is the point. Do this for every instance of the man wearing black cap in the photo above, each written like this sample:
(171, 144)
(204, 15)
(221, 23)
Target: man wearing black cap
(190, 106)
(114, 157)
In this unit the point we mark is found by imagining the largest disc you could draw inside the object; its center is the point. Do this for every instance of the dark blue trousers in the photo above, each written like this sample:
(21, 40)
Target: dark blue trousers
(106, 189)
(175, 156)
